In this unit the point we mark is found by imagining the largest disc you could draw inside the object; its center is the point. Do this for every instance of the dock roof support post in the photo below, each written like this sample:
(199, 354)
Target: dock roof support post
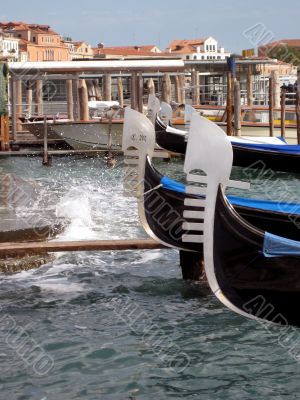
(229, 105)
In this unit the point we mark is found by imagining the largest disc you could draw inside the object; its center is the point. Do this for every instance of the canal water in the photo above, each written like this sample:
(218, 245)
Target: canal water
(123, 325)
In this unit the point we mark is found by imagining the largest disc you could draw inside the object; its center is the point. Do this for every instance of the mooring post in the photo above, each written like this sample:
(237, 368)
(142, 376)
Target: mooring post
(192, 266)
(76, 111)
(229, 108)
(39, 97)
(70, 102)
(83, 101)
(107, 87)
(195, 87)
(97, 89)
(140, 92)
(166, 89)
(249, 87)
(12, 92)
(298, 105)
(276, 89)
(283, 111)
(151, 86)
(120, 91)
(237, 108)
(133, 94)
(29, 99)
(229, 105)
(271, 105)
(46, 157)
(19, 103)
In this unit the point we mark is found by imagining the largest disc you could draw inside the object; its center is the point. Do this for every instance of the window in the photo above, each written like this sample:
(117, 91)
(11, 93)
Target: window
(202, 57)
(34, 39)
(187, 57)
(195, 57)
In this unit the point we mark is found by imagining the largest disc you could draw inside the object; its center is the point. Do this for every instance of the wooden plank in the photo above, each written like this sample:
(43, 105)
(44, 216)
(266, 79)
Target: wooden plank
(9, 249)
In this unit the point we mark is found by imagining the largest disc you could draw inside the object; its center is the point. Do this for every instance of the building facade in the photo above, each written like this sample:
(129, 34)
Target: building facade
(37, 42)
(79, 50)
(198, 49)
(9, 47)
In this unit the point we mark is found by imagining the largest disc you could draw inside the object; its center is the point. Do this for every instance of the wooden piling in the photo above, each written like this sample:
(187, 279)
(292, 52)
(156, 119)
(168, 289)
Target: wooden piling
(249, 88)
(12, 249)
(140, 89)
(97, 90)
(120, 91)
(76, 111)
(229, 105)
(283, 112)
(83, 101)
(107, 87)
(39, 97)
(177, 90)
(70, 102)
(46, 157)
(182, 87)
(133, 94)
(19, 108)
(151, 86)
(91, 90)
(195, 87)
(276, 89)
(271, 105)
(237, 108)
(4, 132)
(29, 101)
(166, 89)
(298, 105)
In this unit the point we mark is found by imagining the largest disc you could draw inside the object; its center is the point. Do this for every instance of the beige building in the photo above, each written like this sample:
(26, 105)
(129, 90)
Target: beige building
(37, 42)
(79, 50)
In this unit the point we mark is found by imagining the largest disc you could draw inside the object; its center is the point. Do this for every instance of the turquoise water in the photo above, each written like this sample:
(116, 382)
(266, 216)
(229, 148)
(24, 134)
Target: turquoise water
(123, 325)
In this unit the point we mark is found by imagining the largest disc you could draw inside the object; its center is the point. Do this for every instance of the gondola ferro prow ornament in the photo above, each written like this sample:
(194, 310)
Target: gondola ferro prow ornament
(208, 165)
(138, 142)
(153, 107)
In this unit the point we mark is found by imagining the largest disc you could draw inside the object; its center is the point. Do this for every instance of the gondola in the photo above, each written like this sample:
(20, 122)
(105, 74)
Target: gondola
(163, 200)
(252, 271)
(275, 154)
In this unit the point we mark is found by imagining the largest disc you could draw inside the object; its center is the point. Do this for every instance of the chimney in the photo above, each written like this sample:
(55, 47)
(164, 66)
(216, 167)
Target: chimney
(100, 45)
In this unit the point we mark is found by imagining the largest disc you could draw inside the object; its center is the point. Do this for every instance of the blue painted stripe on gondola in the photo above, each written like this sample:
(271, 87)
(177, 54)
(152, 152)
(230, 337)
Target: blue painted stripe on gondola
(277, 246)
(267, 205)
(285, 148)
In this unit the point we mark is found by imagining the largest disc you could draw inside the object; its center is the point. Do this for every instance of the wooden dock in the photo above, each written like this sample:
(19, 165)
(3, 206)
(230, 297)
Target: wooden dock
(29, 248)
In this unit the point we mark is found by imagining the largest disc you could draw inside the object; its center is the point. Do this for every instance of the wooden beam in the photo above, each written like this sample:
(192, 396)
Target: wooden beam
(283, 112)
(10, 249)
(107, 87)
(271, 105)
(39, 97)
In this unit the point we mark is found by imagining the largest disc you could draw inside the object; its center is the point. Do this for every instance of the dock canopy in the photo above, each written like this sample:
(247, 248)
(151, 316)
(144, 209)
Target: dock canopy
(103, 66)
